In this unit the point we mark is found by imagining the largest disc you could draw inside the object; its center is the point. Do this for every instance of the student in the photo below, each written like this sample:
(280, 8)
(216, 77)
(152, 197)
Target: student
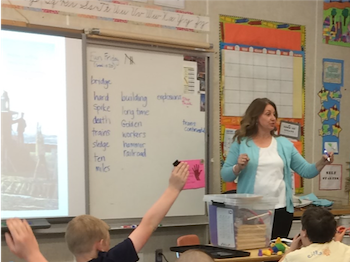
(88, 237)
(315, 241)
(262, 162)
(22, 242)
(194, 256)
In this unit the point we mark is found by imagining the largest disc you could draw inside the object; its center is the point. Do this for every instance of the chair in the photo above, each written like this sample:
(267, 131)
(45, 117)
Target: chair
(187, 240)
(233, 191)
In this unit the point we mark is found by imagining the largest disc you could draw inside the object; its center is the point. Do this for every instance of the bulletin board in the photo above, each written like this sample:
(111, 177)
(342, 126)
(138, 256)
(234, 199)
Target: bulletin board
(261, 59)
(330, 97)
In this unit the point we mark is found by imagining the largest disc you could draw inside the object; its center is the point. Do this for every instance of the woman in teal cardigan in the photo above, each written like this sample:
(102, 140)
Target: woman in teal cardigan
(262, 162)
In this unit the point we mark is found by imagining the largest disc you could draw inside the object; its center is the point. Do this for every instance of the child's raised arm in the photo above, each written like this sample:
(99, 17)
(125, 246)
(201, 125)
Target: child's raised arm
(157, 212)
(22, 242)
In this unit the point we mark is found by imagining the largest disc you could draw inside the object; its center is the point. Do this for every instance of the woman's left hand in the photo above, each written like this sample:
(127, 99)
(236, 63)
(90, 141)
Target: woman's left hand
(329, 157)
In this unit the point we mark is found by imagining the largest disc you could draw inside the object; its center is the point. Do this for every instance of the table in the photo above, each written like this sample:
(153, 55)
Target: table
(336, 210)
(252, 258)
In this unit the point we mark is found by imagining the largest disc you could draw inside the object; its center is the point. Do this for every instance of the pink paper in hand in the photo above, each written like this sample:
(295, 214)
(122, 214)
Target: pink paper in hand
(196, 178)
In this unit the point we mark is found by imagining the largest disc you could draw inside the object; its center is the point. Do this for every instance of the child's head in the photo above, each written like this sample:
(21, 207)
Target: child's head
(318, 224)
(194, 256)
(86, 233)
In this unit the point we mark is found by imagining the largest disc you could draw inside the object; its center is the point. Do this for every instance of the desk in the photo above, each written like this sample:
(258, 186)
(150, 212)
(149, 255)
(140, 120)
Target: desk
(252, 258)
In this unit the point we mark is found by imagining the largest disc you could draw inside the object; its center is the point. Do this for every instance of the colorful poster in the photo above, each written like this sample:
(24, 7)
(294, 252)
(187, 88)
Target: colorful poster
(336, 22)
(330, 96)
(196, 178)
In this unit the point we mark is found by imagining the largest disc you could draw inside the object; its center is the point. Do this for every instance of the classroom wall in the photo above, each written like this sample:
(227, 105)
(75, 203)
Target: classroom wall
(335, 52)
(298, 12)
(308, 13)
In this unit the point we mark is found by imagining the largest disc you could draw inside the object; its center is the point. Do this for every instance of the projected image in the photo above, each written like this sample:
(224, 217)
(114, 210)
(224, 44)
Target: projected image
(33, 126)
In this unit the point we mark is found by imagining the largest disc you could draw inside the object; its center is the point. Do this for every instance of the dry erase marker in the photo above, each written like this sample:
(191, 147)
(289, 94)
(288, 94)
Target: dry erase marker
(125, 226)
(129, 226)
(176, 163)
(328, 156)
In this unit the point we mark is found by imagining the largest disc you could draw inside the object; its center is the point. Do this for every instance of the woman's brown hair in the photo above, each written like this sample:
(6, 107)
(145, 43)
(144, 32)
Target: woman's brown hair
(249, 122)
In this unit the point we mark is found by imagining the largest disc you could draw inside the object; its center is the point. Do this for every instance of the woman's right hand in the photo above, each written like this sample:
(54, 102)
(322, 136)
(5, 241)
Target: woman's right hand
(242, 161)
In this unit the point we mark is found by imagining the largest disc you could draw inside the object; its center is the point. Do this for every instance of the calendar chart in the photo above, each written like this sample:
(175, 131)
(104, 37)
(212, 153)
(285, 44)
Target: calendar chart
(256, 72)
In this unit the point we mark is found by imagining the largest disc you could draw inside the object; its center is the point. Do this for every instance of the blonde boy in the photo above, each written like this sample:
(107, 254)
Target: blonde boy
(194, 256)
(88, 237)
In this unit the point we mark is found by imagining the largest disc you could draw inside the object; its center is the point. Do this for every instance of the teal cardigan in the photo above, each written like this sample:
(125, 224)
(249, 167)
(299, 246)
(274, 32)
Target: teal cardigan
(246, 179)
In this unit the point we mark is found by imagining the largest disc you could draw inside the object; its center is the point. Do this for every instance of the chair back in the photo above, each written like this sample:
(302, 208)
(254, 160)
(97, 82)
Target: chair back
(188, 240)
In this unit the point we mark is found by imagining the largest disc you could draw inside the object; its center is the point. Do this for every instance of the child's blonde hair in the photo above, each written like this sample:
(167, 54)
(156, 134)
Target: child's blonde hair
(194, 256)
(83, 232)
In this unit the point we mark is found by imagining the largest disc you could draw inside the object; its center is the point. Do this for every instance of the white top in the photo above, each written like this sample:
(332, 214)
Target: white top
(332, 251)
(269, 176)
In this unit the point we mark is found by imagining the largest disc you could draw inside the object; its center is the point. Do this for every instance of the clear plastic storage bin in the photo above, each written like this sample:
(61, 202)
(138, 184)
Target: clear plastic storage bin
(240, 221)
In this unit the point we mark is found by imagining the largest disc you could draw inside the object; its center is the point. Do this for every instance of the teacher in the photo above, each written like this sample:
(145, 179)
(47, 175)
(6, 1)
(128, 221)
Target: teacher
(262, 162)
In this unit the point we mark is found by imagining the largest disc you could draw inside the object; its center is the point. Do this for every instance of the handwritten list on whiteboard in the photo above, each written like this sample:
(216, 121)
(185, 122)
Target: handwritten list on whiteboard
(138, 126)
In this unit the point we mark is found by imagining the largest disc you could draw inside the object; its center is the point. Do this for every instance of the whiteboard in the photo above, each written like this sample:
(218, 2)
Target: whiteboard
(141, 118)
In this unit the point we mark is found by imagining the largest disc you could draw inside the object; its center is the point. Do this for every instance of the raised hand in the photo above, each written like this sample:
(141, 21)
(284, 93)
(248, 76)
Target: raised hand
(179, 176)
(21, 240)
